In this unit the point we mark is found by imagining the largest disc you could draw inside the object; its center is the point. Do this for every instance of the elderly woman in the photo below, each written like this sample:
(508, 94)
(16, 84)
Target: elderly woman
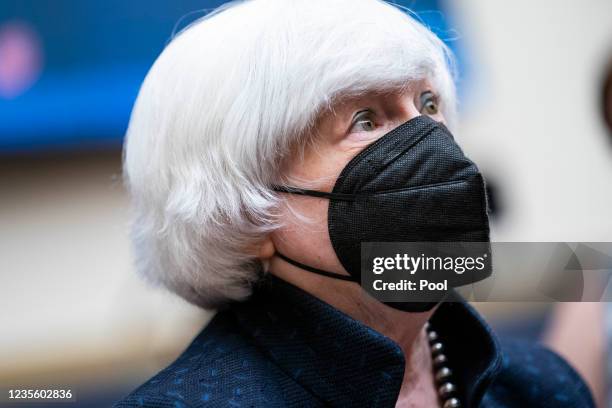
(268, 141)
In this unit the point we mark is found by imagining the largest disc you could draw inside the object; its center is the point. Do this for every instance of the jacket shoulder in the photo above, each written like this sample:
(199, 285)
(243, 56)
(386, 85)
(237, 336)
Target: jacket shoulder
(533, 375)
(221, 367)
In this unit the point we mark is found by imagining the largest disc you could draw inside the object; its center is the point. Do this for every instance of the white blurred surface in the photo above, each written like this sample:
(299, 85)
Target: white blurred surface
(69, 295)
(531, 119)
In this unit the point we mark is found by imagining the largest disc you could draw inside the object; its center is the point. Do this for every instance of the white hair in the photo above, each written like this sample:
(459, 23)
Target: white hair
(225, 104)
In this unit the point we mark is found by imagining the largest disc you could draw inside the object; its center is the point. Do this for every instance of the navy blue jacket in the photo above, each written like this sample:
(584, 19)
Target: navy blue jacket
(285, 348)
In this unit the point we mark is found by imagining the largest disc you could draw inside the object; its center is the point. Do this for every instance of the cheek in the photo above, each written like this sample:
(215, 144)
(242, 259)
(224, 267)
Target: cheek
(305, 236)
(439, 117)
(359, 140)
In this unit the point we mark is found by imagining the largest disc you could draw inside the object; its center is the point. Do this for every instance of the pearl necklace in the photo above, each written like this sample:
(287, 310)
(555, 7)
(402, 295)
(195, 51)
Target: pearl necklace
(442, 374)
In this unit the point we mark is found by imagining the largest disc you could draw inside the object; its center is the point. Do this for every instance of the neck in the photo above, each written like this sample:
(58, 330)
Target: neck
(406, 329)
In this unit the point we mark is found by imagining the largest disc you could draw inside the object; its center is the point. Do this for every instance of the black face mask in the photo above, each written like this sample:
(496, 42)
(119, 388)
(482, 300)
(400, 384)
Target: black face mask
(414, 184)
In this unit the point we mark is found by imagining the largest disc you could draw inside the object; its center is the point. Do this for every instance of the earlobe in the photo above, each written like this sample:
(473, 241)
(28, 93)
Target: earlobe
(266, 248)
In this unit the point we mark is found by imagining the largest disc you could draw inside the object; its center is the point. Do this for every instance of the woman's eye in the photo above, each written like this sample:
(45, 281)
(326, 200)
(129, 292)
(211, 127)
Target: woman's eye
(429, 103)
(363, 122)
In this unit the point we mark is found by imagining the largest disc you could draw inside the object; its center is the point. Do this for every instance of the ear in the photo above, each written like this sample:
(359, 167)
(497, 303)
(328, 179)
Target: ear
(266, 248)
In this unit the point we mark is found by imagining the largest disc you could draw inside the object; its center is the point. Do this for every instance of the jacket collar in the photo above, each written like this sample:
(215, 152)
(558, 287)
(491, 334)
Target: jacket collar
(343, 362)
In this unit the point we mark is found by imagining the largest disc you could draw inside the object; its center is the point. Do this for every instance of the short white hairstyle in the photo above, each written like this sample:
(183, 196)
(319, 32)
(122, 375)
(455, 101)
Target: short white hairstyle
(225, 104)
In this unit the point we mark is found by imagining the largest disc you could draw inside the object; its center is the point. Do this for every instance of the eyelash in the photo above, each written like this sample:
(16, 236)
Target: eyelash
(362, 116)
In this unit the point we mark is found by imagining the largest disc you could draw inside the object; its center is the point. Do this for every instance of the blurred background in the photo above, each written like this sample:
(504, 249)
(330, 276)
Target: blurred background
(73, 312)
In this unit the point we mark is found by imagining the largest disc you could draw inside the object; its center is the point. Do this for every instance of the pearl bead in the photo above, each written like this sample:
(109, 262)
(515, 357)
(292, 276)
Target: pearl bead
(443, 373)
(436, 348)
(439, 360)
(452, 403)
(446, 389)
(432, 336)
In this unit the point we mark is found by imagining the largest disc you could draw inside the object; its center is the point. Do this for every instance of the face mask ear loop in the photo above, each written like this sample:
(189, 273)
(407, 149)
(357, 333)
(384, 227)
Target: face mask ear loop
(318, 194)
(315, 270)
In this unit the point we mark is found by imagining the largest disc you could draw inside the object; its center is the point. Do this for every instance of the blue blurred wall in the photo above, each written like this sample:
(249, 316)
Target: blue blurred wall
(94, 56)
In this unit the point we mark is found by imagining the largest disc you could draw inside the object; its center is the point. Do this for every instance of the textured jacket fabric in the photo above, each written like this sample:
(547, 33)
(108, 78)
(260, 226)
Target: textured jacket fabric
(285, 348)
